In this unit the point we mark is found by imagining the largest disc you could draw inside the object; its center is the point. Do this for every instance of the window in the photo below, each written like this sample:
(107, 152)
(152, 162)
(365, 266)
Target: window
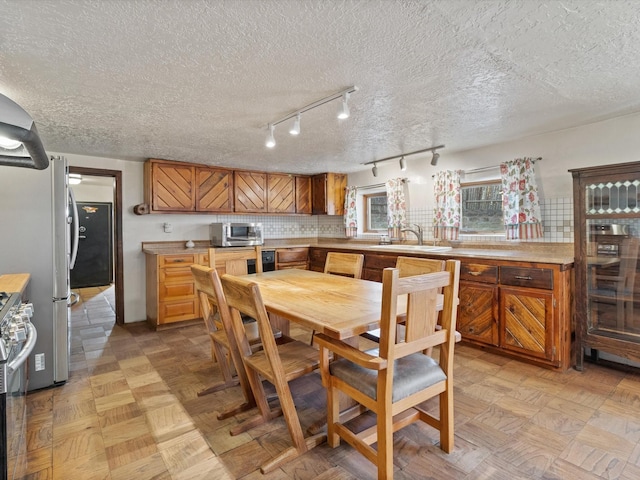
(375, 212)
(482, 207)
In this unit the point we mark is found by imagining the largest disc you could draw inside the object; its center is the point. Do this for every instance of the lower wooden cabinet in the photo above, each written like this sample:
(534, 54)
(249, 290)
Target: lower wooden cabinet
(171, 293)
(513, 308)
(297, 257)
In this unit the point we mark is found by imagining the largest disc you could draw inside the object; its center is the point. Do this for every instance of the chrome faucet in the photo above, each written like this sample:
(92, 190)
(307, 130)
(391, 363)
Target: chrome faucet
(417, 233)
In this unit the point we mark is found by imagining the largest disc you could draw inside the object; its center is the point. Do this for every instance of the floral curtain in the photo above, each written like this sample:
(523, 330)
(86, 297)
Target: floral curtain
(396, 207)
(350, 213)
(447, 212)
(520, 201)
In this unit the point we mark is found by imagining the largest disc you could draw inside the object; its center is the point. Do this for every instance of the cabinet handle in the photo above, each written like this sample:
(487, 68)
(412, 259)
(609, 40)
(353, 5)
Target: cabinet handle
(475, 274)
(523, 277)
(178, 260)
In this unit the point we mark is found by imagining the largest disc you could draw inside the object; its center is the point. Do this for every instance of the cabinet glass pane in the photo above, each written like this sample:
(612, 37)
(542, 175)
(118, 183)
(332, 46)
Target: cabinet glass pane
(612, 197)
(613, 297)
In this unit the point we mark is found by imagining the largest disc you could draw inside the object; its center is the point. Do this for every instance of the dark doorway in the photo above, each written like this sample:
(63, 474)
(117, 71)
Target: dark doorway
(118, 274)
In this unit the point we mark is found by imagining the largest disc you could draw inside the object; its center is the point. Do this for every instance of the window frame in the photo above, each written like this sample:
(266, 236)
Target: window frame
(465, 231)
(366, 212)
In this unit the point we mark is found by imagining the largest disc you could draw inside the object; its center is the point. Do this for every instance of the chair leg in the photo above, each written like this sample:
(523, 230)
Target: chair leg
(219, 386)
(333, 415)
(385, 445)
(313, 332)
(446, 420)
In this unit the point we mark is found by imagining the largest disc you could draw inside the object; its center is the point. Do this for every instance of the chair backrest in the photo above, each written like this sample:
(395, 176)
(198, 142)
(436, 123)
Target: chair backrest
(628, 263)
(234, 261)
(345, 264)
(410, 266)
(243, 297)
(210, 290)
(422, 314)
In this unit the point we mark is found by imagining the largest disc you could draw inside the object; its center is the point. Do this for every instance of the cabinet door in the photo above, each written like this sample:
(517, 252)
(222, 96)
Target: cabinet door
(281, 193)
(526, 318)
(214, 190)
(319, 194)
(172, 187)
(477, 313)
(250, 192)
(292, 258)
(303, 195)
(336, 193)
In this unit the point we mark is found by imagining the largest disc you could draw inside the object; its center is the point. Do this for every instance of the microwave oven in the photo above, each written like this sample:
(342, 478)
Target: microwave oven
(236, 234)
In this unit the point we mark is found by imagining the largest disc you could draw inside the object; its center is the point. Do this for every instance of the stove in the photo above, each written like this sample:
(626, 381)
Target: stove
(17, 339)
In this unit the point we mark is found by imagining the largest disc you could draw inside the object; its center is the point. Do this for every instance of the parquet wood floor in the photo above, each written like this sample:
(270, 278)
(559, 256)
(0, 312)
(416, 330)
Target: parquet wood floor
(130, 411)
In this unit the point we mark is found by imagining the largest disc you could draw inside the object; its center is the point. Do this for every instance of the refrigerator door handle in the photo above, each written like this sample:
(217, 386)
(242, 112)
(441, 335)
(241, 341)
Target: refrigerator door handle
(76, 229)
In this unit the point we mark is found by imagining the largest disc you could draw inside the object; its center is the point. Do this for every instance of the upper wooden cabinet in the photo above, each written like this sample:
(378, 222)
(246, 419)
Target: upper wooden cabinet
(303, 195)
(169, 186)
(328, 193)
(179, 187)
(281, 196)
(250, 192)
(214, 190)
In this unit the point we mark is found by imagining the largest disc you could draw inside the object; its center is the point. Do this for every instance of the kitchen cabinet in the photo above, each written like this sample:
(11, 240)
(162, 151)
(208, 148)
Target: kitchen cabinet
(250, 192)
(303, 195)
(281, 194)
(169, 186)
(520, 309)
(328, 191)
(214, 190)
(606, 243)
(297, 257)
(171, 295)
(513, 308)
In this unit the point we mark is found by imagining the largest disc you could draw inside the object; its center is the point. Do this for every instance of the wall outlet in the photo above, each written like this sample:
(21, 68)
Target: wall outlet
(168, 228)
(39, 361)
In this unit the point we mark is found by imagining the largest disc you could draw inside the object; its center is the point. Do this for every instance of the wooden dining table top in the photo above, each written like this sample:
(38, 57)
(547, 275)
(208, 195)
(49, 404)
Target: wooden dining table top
(340, 307)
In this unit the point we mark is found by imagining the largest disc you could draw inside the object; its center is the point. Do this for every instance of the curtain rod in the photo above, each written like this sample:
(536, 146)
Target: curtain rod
(484, 169)
(377, 185)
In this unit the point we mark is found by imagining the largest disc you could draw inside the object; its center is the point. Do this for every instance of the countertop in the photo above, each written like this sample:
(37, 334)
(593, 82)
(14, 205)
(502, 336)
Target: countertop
(14, 282)
(550, 253)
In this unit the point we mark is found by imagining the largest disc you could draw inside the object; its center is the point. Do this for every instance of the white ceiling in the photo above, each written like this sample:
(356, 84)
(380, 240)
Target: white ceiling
(199, 81)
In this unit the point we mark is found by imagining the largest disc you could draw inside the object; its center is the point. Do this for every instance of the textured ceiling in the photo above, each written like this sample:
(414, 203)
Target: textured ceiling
(199, 81)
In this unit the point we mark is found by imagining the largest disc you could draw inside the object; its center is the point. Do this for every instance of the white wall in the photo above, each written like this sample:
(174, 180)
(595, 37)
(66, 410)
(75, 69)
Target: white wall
(612, 141)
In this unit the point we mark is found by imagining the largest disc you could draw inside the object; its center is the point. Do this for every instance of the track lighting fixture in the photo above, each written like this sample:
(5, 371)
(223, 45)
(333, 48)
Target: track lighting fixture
(295, 128)
(403, 161)
(344, 108)
(271, 141)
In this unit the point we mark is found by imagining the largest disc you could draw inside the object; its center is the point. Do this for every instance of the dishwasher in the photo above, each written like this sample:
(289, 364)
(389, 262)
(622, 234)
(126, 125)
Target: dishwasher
(268, 262)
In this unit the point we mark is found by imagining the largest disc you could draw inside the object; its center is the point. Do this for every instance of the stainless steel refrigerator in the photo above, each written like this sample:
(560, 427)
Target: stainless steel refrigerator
(35, 238)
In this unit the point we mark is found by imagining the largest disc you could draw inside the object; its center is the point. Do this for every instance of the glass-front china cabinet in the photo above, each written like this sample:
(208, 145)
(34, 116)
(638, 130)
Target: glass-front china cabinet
(607, 239)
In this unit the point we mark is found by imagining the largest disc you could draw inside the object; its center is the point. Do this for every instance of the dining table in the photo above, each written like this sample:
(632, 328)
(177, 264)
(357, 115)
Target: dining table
(340, 307)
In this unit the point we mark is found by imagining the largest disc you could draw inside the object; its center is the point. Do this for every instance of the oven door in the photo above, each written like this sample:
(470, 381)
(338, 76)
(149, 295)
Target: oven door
(15, 408)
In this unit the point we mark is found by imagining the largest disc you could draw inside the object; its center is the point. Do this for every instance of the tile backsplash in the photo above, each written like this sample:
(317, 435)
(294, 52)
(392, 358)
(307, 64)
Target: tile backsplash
(557, 219)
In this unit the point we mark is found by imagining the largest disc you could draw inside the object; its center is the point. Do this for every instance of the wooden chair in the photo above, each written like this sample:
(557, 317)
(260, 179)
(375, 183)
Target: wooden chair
(618, 289)
(395, 378)
(407, 267)
(233, 261)
(223, 340)
(345, 264)
(278, 364)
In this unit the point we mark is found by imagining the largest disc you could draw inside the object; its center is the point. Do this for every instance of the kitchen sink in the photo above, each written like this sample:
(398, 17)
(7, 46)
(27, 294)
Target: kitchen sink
(413, 248)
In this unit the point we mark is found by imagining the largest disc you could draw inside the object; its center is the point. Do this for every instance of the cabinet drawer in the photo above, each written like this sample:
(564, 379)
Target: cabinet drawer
(477, 272)
(177, 311)
(176, 274)
(176, 291)
(380, 261)
(527, 277)
(187, 259)
(292, 255)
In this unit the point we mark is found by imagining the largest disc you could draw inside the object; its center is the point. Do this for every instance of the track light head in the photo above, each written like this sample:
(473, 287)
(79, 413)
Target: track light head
(344, 108)
(271, 141)
(295, 128)
(374, 170)
(434, 158)
(403, 164)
